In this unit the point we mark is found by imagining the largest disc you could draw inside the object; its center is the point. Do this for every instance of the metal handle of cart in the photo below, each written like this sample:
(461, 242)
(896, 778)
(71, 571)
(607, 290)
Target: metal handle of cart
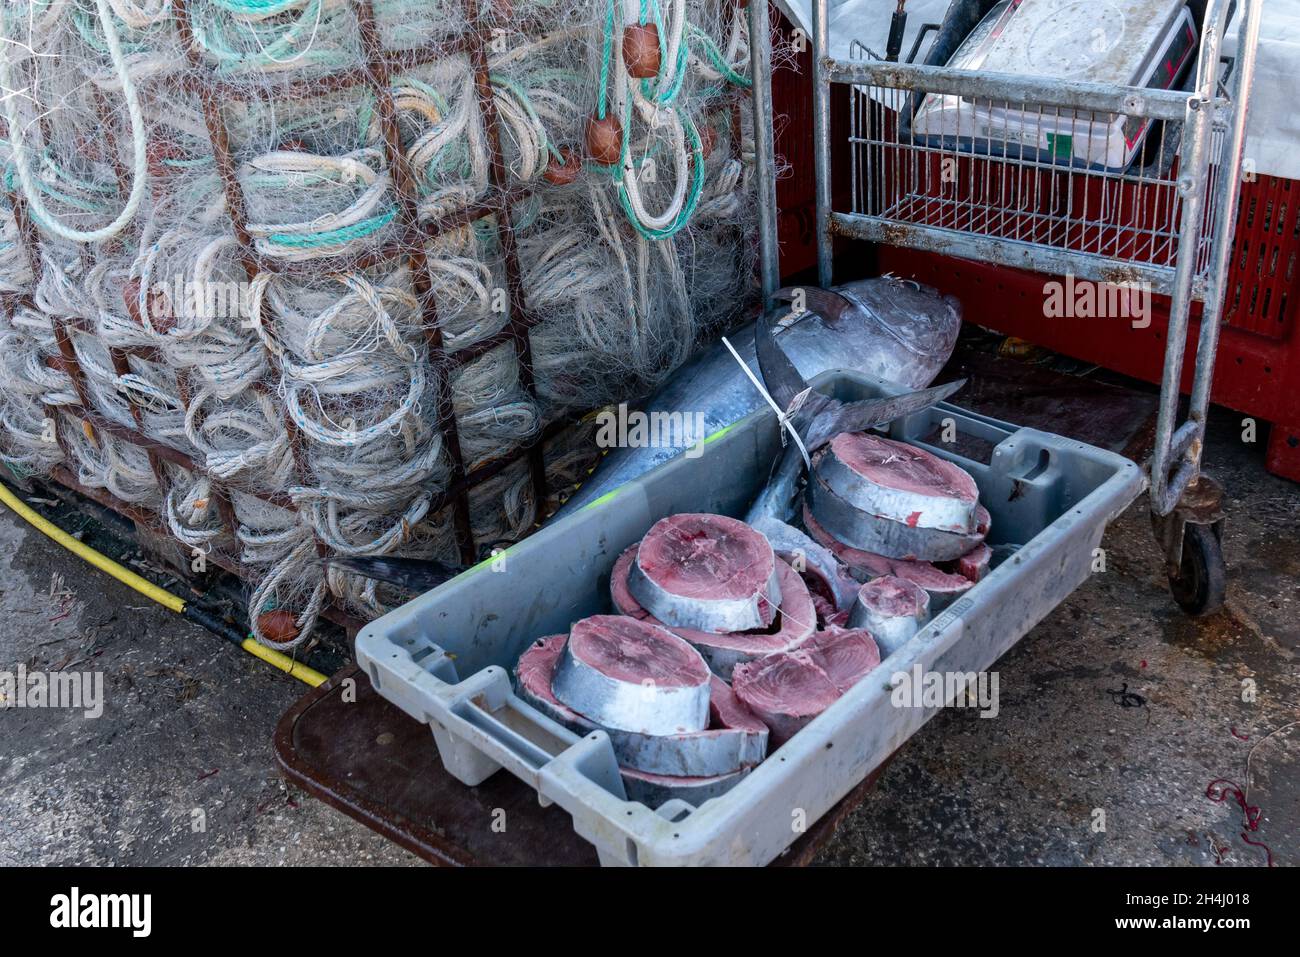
(1012, 188)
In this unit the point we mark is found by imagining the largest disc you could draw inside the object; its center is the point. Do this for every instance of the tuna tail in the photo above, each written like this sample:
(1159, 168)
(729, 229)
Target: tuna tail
(412, 574)
(777, 500)
(780, 377)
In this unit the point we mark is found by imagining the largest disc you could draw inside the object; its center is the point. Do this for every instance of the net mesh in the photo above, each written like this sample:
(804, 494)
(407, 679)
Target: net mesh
(302, 278)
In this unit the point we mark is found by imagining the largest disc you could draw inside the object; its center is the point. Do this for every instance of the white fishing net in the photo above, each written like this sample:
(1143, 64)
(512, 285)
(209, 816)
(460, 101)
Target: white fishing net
(338, 255)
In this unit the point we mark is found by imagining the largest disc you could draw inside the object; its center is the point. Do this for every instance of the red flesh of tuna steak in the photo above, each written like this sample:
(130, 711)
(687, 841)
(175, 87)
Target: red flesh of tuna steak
(631, 652)
(534, 671)
(706, 572)
(893, 597)
(975, 563)
(728, 711)
(787, 690)
(796, 622)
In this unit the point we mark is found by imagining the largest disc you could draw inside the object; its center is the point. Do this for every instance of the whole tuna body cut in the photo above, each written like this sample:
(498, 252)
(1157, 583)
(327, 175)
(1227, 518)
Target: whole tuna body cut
(892, 329)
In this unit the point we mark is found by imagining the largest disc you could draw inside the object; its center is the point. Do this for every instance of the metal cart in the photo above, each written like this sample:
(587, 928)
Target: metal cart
(1160, 224)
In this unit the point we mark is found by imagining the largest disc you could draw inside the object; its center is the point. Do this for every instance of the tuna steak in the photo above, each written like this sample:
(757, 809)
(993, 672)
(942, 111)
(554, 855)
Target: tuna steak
(728, 711)
(707, 573)
(899, 482)
(634, 676)
(892, 609)
(882, 536)
(789, 689)
(975, 563)
(795, 621)
(734, 739)
(943, 587)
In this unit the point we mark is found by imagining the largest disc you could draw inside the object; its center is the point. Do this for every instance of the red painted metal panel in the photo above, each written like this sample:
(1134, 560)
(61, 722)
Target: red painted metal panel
(796, 184)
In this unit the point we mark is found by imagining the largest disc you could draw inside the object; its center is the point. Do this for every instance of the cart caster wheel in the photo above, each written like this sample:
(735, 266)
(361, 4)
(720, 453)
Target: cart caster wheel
(1202, 577)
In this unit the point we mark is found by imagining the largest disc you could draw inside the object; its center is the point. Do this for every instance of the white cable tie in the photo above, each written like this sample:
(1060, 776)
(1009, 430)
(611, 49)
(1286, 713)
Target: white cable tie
(782, 418)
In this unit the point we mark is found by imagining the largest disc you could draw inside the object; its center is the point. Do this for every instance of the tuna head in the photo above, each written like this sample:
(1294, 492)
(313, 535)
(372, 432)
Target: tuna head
(893, 329)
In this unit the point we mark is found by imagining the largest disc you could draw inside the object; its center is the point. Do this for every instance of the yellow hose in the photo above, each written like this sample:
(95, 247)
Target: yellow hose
(102, 562)
(278, 659)
(147, 588)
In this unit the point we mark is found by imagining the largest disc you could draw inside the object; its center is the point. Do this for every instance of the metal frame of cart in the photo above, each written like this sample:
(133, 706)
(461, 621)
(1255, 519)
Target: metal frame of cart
(1164, 221)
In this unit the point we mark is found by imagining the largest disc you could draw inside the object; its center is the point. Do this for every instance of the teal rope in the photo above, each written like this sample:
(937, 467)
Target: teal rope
(714, 54)
(333, 237)
(607, 48)
(693, 193)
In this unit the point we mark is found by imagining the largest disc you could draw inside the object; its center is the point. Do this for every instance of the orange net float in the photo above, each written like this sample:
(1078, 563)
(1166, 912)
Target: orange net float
(564, 169)
(641, 50)
(605, 139)
(278, 625)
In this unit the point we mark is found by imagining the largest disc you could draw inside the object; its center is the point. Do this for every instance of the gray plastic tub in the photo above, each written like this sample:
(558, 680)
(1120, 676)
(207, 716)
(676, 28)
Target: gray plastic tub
(446, 658)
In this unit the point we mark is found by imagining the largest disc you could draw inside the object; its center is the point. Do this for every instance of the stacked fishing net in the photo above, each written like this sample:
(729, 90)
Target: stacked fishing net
(293, 360)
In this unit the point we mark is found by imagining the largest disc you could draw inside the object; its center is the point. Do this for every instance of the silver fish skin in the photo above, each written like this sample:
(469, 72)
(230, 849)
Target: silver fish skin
(771, 515)
(654, 790)
(890, 631)
(790, 543)
(706, 753)
(897, 331)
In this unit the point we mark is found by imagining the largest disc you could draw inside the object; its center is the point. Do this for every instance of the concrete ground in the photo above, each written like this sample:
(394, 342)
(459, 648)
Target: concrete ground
(185, 733)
